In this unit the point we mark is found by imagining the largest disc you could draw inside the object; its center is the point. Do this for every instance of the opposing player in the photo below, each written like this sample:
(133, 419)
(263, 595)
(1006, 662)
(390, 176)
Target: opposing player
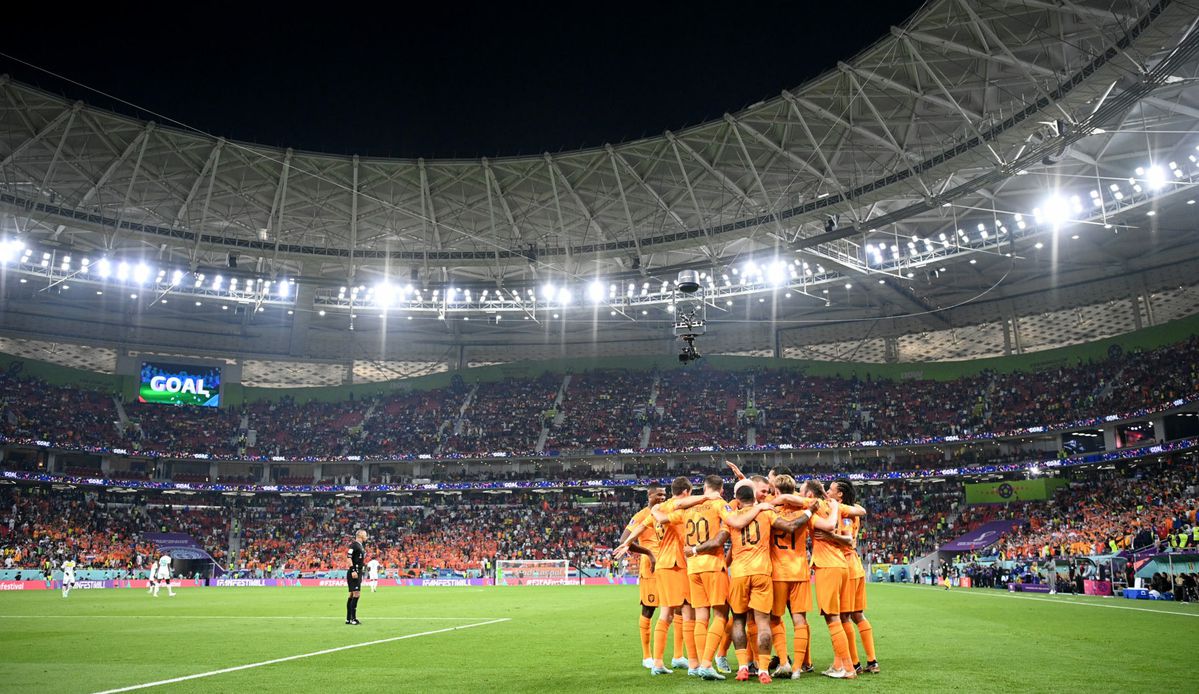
(645, 544)
(751, 592)
(164, 575)
(68, 577)
(152, 577)
(853, 602)
(357, 553)
(372, 573)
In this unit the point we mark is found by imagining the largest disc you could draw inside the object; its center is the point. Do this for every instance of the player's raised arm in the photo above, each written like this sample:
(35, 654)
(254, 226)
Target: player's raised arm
(736, 470)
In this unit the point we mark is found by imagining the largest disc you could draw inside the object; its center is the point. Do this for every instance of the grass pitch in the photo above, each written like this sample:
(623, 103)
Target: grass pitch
(558, 639)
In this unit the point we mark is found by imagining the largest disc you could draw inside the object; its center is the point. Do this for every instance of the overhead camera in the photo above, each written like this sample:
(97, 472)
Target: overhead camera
(690, 314)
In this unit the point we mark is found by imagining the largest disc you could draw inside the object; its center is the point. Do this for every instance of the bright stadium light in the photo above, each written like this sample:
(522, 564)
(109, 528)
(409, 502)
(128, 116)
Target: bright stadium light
(141, 273)
(176, 277)
(1155, 177)
(103, 268)
(595, 291)
(284, 289)
(9, 249)
(123, 271)
(777, 274)
(1055, 210)
(548, 292)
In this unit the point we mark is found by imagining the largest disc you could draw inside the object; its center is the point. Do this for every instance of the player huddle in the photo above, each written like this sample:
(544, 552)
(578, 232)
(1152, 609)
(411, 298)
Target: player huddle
(714, 598)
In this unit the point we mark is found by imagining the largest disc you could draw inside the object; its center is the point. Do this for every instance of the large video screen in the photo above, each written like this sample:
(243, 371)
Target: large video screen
(180, 384)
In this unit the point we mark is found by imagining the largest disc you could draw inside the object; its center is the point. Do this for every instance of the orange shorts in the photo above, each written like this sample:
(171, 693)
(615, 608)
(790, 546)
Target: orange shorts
(709, 588)
(858, 589)
(796, 595)
(830, 584)
(672, 586)
(751, 592)
(648, 584)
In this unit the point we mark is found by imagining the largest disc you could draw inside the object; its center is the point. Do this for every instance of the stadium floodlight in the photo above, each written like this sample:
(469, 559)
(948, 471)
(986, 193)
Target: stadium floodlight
(104, 268)
(141, 273)
(123, 271)
(9, 249)
(548, 292)
(1055, 210)
(384, 293)
(777, 274)
(595, 291)
(217, 281)
(1155, 177)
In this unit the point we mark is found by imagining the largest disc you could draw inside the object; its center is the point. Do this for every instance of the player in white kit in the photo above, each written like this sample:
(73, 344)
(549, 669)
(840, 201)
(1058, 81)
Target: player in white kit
(68, 576)
(372, 573)
(164, 575)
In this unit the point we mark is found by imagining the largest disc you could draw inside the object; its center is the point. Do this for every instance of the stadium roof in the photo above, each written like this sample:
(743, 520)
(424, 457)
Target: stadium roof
(937, 180)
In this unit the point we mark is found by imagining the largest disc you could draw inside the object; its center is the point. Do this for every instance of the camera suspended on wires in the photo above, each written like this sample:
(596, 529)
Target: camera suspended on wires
(690, 314)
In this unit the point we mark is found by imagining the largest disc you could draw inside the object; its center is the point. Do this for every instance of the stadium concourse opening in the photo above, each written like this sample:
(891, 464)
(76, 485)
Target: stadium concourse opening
(318, 420)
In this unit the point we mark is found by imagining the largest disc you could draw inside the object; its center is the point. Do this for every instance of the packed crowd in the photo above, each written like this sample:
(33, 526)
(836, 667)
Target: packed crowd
(602, 409)
(41, 527)
(452, 533)
(695, 407)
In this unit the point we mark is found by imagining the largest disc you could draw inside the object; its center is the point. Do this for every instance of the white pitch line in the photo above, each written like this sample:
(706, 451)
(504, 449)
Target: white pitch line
(327, 651)
(1064, 601)
(223, 617)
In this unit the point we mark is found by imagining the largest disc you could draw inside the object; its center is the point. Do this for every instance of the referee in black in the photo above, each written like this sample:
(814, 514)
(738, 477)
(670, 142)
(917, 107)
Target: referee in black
(354, 576)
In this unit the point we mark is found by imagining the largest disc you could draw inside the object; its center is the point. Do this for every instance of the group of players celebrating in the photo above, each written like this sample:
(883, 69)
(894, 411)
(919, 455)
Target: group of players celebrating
(714, 598)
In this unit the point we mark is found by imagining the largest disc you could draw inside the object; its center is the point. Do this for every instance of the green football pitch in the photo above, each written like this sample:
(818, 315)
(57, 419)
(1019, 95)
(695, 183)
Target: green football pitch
(557, 639)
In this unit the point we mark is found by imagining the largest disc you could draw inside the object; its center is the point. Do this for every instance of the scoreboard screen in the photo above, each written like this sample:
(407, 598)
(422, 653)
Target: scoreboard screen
(180, 384)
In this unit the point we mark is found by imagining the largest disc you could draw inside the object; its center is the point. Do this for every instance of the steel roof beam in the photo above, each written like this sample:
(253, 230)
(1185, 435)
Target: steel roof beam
(116, 163)
(724, 180)
(902, 88)
(789, 155)
(939, 42)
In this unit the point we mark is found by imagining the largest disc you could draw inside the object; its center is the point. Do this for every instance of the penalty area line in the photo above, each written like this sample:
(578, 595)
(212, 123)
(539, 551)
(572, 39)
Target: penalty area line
(273, 661)
(1064, 601)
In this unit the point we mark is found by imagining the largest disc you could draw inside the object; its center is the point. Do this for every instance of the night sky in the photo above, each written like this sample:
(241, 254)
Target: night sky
(445, 79)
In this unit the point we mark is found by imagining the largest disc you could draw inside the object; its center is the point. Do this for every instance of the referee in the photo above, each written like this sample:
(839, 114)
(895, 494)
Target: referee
(354, 576)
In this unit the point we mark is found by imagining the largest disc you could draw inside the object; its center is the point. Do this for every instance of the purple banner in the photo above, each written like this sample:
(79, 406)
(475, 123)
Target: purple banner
(981, 537)
(182, 546)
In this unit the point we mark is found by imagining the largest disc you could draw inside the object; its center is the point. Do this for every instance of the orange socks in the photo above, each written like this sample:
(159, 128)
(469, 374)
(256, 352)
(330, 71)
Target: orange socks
(778, 634)
(867, 633)
(852, 642)
(647, 629)
(840, 646)
(764, 662)
(678, 637)
(727, 639)
(801, 645)
(660, 628)
(742, 657)
(701, 640)
(689, 640)
(715, 637)
(751, 638)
